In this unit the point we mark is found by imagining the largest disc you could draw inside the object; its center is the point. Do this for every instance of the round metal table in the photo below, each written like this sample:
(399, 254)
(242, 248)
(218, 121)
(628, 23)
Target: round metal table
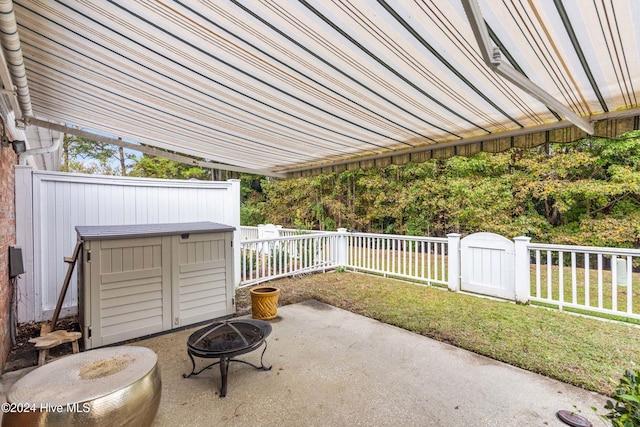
(102, 387)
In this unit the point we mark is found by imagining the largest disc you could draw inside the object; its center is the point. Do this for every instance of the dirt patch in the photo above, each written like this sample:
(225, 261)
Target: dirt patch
(105, 367)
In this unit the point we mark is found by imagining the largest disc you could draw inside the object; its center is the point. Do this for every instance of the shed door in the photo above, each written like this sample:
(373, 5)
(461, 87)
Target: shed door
(131, 293)
(202, 271)
(488, 265)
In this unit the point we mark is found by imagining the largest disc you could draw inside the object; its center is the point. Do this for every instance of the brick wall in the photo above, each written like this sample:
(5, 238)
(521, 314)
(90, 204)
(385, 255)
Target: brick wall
(7, 238)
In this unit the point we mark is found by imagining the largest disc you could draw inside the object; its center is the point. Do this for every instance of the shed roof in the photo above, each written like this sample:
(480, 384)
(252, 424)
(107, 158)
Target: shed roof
(288, 86)
(131, 231)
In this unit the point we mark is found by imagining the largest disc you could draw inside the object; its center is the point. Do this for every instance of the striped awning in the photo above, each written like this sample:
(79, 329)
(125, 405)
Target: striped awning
(288, 86)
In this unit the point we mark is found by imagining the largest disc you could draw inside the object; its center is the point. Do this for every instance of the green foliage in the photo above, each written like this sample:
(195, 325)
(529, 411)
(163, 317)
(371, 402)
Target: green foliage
(159, 167)
(94, 157)
(249, 262)
(625, 412)
(584, 193)
(251, 214)
(278, 258)
(251, 199)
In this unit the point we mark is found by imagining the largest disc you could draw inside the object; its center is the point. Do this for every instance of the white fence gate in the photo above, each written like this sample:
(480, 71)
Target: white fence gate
(488, 265)
(49, 205)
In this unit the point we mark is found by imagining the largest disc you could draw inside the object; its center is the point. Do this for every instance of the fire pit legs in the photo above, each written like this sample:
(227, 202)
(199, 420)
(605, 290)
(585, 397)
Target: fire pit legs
(224, 371)
(224, 366)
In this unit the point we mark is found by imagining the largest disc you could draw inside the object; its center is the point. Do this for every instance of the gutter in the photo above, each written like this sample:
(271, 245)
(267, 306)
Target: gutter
(55, 145)
(493, 58)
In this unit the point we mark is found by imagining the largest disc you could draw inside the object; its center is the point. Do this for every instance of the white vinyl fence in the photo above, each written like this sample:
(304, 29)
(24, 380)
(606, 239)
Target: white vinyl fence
(49, 205)
(586, 278)
(592, 280)
(268, 259)
(422, 259)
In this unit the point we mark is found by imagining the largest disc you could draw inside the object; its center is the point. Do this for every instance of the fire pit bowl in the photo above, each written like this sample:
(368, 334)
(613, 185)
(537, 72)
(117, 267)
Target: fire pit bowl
(224, 340)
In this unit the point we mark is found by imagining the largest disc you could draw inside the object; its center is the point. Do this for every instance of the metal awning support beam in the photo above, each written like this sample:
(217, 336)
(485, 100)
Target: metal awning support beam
(493, 58)
(31, 121)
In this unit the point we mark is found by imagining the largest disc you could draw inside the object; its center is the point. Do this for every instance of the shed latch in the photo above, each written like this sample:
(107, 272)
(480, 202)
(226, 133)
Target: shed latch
(88, 256)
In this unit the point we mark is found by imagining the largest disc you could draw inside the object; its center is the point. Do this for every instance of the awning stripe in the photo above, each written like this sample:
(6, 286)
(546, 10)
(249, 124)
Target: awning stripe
(226, 87)
(272, 58)
(446, 63)
(612, 50)
(534, 37)
(261, 81)
(388, 67)
(137, 121)
(520, 102)
(623, 56)
(576, 45)
(227, 118)
(227, 115)
(338, 70)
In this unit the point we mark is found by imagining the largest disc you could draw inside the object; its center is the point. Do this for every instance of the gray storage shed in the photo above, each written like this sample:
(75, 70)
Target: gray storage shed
(136, 280)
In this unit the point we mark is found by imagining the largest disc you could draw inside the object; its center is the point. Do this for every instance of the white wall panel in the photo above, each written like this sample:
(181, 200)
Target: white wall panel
(49, 205)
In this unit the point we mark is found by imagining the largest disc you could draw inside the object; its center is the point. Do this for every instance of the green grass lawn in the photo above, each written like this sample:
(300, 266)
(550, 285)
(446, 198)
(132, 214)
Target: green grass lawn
(582, 351)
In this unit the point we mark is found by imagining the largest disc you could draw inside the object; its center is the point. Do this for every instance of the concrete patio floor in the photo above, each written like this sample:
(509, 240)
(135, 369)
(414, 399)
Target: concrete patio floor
(334, 368)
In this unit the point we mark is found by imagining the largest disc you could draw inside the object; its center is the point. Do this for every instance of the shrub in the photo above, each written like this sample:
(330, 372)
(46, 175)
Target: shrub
(249, 262)
(625, 412)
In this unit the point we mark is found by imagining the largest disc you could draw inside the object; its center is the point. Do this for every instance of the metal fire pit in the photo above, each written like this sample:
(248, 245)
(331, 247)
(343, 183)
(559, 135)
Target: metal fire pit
(225, 340)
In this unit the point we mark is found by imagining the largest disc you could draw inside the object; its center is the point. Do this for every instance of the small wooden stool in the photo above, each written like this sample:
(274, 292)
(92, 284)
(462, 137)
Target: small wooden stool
(54, 339)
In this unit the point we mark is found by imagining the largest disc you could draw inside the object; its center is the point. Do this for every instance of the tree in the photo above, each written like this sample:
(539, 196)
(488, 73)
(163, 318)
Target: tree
(94, 157)
(159, 167)
(251, 199)
(585, 193)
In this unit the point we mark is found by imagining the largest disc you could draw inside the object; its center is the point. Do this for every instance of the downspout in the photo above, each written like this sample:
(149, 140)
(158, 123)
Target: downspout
(55, 145)
(13, 55)
(493, 58)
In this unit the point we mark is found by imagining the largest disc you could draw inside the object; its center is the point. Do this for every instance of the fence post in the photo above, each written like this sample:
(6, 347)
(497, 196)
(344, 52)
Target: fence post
(341, 249)
(522, 269)
(232, 195)
(453, 251)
